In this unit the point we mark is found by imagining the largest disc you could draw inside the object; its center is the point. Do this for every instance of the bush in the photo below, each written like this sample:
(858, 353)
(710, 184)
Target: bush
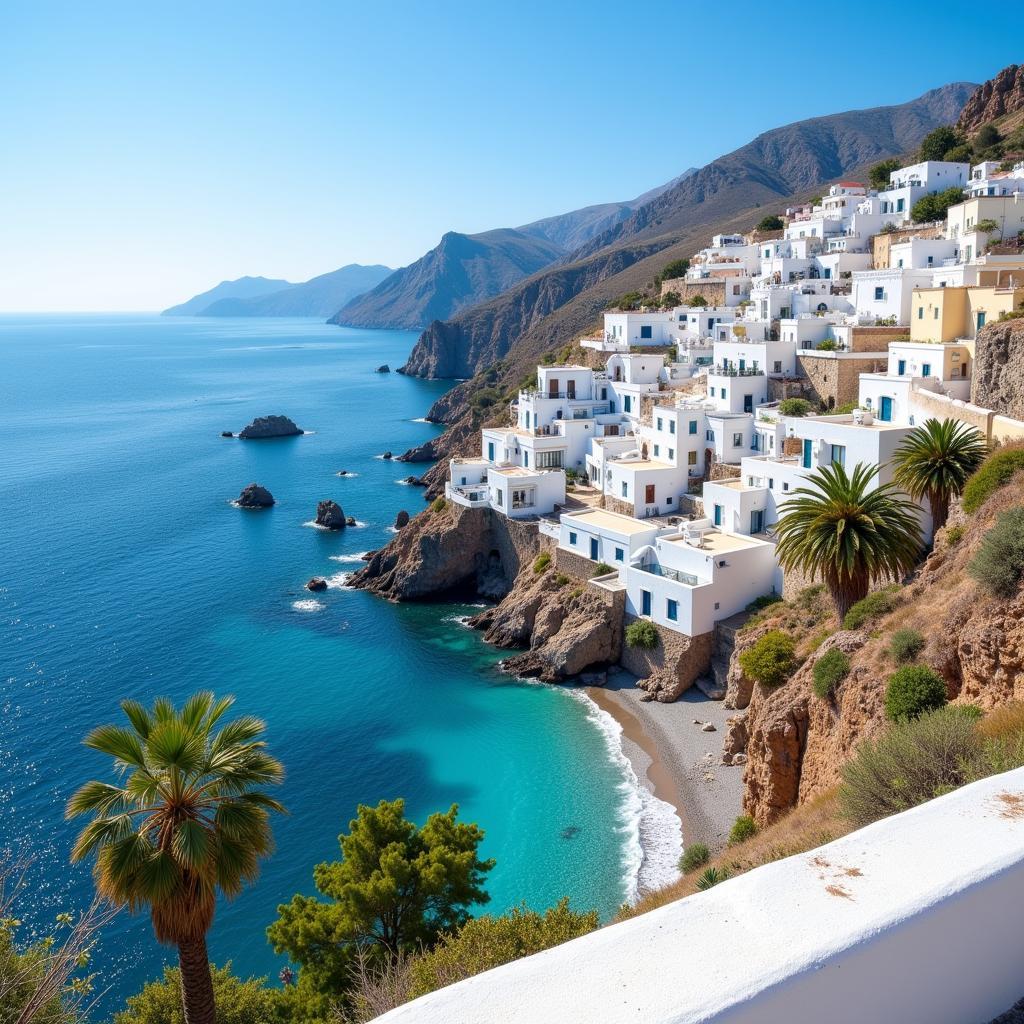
(794, 407)
(878, 602)
(954, 534)
(995, 472)
(771, 223)
(845, 409)
(677, 268)
(671, 299)
(764, 601)
(911, 762)
(913, 690)
(438, 505)
(711, 877)
(642, 633)
(829, 671)
(827, 345)
(879, 174)
(771, 659)
(541, 562)
(934, 205)
(937, 143)
(561, 579)
(743, 829)
(999, 564)
(576, 592)
(485, 398)
(696, 855)
(697, 300)
(602, 569)
(906, 645)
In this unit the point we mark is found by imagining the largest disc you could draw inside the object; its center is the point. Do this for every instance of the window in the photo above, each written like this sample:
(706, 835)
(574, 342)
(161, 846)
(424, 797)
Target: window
(737, 440)
(839, 455)
(572, 539)
(657, 451)
(645, 332)
(548, 460)
(645, 602)
(926, 369)
(778, 366)
(935, 314)
(661, 426)
(672, 610)
(627, 403)
(671, 426)
(490, 451)
(691, 458)
(620, 555)
(879, 294)
(693, 426)
(771, 483)
(920, 312)
(625, 489)
(718, 515)
(526, 458)
(785, 486)
(671, 454)
(981, 320)
(501, 497)
(710, 434)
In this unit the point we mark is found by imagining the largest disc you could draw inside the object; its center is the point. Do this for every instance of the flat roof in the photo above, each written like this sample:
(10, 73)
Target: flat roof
(715, 542)
(514, 471)
(642, 464)
(614, 521)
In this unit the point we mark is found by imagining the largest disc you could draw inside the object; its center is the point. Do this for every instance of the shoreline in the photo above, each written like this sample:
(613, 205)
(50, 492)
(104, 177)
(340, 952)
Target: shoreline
(674, 759)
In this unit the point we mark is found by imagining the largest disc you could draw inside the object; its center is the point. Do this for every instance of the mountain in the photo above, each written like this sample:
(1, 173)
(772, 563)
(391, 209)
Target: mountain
(460, 271)
(766, 172)
(994, 100)
(242, 288)
(320, 296)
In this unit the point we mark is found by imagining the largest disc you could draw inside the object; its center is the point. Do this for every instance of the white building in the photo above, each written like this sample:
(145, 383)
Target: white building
(908, 184)
(887, 294)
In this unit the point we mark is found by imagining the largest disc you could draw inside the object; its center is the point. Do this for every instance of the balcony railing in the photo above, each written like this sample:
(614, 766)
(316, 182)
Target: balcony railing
(735, 371)
(670, 574)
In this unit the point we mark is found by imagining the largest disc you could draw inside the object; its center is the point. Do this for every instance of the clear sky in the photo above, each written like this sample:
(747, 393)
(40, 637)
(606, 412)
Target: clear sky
(150, 150)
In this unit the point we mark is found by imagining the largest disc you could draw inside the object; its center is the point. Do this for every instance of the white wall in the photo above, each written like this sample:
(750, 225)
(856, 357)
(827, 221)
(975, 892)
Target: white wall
(913, 919)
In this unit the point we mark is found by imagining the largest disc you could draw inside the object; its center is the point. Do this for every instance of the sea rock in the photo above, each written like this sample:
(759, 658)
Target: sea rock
(342, 472)
(317, 583)
(254, 496)
(264, 427)
(383, 369)
(367, 555)
(402, 519)
(415, 481)
(350, 521)
(386, 455)
(226, 433)
(329, 515)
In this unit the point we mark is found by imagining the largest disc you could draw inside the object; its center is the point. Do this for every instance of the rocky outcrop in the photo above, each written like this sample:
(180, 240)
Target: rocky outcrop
(998, 376)
(565, 629)
(254, 496)
(330, 516)
(384, 368)
(401, 520)
(264, 427)
(1001, 95)
(317, 583)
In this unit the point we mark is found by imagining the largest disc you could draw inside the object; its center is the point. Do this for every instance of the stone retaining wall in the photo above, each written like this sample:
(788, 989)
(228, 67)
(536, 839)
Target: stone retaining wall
(671, 668)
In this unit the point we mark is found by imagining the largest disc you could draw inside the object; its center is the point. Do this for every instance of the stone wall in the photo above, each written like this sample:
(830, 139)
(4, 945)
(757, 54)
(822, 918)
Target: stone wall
(881, 244)
(780, 388)
(876, 339)
(832, 380)
(997, 380)
(671, 668)
(712, 290)
(577, 566)
(724, 471)
(618, 505)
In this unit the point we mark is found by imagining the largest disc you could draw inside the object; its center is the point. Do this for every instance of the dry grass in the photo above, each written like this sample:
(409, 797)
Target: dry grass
(805, 827)
(1004, 722)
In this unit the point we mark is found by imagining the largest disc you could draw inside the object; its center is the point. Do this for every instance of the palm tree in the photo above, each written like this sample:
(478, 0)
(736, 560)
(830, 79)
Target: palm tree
(934, 462)
(847, 532)
(188, 818)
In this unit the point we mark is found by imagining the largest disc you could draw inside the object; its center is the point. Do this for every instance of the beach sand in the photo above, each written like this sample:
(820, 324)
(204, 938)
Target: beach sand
(675, 759)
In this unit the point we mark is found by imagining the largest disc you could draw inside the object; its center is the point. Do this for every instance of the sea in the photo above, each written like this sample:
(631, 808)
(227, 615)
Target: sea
(127, 572)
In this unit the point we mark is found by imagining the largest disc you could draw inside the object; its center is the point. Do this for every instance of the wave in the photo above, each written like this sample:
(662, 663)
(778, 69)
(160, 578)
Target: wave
(421, 419)
(651, 827)
(314, 525)
(345, 475)
(350, 559)
(308, 604)
(339, 581)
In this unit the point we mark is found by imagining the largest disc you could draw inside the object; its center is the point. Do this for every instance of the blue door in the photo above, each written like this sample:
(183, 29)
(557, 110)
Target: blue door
(757, 521)
(645, 602)
(885, 412)
(593, 549)
(901, 367)
(490, 451)
(718, 515)
(926, 370)
(807, 453)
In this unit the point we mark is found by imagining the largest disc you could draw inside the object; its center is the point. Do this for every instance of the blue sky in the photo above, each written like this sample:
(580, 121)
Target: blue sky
(152, 150)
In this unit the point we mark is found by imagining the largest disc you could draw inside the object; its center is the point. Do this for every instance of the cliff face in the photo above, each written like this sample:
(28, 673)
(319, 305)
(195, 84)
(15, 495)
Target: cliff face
(796, 742)
(998, 375)
(999, 96)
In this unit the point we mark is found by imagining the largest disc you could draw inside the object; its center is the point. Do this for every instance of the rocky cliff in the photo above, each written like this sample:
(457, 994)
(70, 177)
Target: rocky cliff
(998, 376)
(999, 96)
(796, 742)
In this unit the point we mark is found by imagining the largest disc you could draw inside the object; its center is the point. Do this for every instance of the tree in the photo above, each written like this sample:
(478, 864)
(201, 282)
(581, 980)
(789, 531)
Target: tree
(396, 889)
(988, 225)
(671, 299)
(936, 144)
(794, 407)
(677, 268)
(934, 461)
(847, 532)
(934, 205)
(878, 176)
(697, 300)
(238, 1001)
(988, 136)
(188, 818)
(771, 223)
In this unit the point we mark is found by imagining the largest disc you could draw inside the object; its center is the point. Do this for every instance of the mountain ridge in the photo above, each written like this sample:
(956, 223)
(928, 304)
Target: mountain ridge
(240, 287)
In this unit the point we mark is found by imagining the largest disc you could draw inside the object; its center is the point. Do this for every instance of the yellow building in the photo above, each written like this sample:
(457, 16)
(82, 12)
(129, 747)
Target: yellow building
(962, 221)
(951, 314)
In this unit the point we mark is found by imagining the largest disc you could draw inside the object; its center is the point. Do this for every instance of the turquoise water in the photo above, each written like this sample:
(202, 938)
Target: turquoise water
(126, 572)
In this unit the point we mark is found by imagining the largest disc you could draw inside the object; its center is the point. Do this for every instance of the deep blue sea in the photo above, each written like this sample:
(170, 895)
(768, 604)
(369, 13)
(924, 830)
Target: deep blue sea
(125, 571)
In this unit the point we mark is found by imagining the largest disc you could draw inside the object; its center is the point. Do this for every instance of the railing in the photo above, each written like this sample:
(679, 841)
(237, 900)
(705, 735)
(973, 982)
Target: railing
(670, 574)
(735, 371)
(475, 497)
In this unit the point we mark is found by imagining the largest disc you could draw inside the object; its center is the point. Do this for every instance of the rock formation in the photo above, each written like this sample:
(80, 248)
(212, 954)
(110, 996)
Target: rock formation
(264, 427)
(387, 456)
(384, 368)
(402, 519)
(317, 583)
(997, 380)
(1001, 95)
(254, 496)
(329, 515)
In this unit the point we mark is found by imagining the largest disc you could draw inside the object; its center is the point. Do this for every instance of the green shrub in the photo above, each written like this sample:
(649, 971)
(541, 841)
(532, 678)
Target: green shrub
(906, 645)
(696, 855)
(995, 472)
(934, 205)
(541, 562)
(602, 569)
(771, 659)
(697, 300)
(999, 564)
(710, 877)
(576, 592)
(438, 505)
(642, 633)
(829, 671)
(845, 409)
(561, 579)
(954, 534)
(677, 268)
(771, 223)
(911, 762)
(764, 601)
(794, 407)
(743, 829)
(877, 603)
(827, 345)
(913, 690)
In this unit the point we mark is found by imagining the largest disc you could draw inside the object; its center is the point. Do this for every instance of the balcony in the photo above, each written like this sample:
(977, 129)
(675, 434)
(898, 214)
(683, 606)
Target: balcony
(686, 578)
(467, 495)
(735, 371)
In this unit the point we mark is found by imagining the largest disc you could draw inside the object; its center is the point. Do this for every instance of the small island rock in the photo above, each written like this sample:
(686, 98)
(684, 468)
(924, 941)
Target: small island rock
(329, 515)
(317, 583)
(342, 472)
(255, 496)
(269, 426)
(383, 369)
(226, 433)
(386, 455)
(350, 521)
(402, 519)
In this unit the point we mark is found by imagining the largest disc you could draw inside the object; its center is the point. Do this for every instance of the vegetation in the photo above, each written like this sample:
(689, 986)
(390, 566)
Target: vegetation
(999, 564)
(771, 659)
(847, 533)
(189, 817)
(935, 460)
(937, 143)
(631, 300)
(438, 505)
(602, 569)
(988, 225)
(827, 345)
(995, 472)
(238, 1001)
(671, 299)
(934, 205)
(696, 855)
(697, 300)
(878, 176)
(771, 223)
(905, 645)
(397, 889)
(743, 829)
(764, 601)
(710, 877)
(674, 269)
(845, 409)
(484, 399)
(795, 407)
(877, 603)
(541, 562)
(953, 535)
(642, 633)
(561, 579)
(913, 690)
(829, 671)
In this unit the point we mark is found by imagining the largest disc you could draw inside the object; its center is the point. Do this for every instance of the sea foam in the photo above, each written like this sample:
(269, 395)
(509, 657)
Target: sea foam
(350, 559)
(308, 605)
